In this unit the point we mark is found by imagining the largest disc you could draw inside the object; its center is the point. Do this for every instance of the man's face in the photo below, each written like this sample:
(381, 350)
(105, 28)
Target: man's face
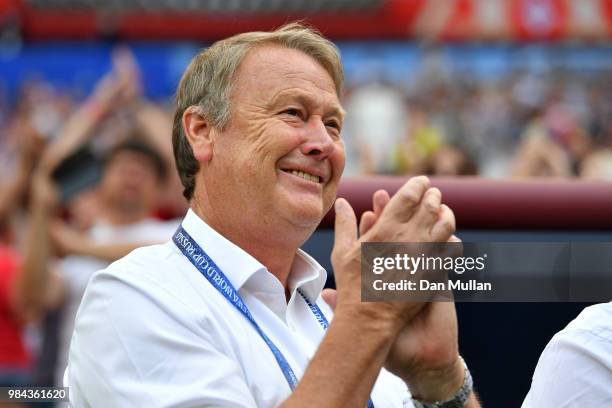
(130, 182)
(280, 157)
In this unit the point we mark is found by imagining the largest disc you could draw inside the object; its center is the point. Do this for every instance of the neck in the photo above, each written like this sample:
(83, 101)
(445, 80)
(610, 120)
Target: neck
(275, 252)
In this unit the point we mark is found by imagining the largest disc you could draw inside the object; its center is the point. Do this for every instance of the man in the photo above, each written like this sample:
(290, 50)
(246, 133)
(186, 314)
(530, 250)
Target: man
(575, 369)
(229, 313)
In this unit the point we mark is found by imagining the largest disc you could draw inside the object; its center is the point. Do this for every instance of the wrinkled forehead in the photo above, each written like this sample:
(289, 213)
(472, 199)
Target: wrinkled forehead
(270, 72)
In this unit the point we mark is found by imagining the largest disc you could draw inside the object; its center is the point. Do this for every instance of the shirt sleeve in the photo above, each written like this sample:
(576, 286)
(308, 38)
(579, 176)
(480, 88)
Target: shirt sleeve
(135, 344)
(575, 370)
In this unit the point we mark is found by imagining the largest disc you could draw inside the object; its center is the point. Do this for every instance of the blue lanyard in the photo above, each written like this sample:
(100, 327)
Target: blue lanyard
(209, 269)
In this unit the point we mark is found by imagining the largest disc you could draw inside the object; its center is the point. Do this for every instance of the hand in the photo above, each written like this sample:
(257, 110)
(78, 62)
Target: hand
(414, 214)
(106, 93)
(119, 87)
(425, 351)
(31, 143)
(127, 74)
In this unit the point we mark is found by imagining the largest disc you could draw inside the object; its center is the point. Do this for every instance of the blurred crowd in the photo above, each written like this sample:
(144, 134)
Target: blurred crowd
(82, 185)
(444, 122)
(84, 182)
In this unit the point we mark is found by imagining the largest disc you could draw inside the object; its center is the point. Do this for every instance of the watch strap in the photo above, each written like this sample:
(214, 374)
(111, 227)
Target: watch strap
(456, 401)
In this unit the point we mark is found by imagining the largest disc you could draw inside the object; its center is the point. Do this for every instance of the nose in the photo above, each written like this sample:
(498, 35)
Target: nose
(319, 144)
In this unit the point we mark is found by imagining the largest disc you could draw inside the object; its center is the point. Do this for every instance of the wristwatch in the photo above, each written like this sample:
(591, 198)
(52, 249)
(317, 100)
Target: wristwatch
(456, 401)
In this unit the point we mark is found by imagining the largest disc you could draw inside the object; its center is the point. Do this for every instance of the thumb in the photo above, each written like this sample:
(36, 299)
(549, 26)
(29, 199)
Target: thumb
(345, 230)
(330, 297)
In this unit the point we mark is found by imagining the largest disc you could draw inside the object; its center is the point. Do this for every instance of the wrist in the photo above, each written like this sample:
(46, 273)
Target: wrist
(96, 110)
(439, 384)
(371, 319)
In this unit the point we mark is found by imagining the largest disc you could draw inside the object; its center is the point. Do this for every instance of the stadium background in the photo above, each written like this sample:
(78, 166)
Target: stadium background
(477, 83)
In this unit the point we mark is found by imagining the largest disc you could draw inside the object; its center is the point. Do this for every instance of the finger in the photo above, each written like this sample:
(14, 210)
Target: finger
(454, 239)
(456, 248)
(345, 231)
(405, 202)
(330, 296)
(429, 210)
(380, 199)
(368, 219)
(444, 228)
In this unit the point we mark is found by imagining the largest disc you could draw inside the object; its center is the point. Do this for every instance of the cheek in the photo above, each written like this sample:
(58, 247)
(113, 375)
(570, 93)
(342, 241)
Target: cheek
(110, 180)
(277, 141)
(338, 160)
(153, 184)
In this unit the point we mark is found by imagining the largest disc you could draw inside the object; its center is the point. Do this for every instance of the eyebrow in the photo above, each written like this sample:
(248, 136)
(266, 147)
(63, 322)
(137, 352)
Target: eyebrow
(304, 98)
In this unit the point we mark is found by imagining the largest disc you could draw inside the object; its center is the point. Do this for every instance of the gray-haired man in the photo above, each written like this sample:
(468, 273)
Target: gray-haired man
(229, 313)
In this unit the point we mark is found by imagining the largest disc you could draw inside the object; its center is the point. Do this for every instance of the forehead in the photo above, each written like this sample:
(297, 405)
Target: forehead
(270, 72)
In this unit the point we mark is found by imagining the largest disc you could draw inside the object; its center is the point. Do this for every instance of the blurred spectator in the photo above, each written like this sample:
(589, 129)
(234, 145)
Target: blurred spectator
(597, 165)
(75, 227)
(15, 358)
(123, 221)
(538, 155)
(13, 190)
(415, 153)
(374, 126)
(450, 160)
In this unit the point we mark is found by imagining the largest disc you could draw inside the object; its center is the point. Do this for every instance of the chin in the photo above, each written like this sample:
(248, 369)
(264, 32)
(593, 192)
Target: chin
(306, 216)
(299, 208)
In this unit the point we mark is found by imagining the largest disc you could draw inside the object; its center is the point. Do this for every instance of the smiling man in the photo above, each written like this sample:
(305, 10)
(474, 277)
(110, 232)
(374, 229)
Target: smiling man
(229, 312)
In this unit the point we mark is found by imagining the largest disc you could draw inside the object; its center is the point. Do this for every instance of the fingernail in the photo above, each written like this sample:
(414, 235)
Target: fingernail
(339, 205)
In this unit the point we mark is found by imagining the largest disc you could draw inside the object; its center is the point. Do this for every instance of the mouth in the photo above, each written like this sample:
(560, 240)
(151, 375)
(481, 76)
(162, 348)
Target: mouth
(305, 175)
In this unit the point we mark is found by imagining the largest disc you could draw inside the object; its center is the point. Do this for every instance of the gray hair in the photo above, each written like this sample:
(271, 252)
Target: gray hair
(207, 82)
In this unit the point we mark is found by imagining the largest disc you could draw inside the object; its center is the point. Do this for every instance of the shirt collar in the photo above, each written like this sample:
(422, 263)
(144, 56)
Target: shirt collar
(239, 266)
(307, 275)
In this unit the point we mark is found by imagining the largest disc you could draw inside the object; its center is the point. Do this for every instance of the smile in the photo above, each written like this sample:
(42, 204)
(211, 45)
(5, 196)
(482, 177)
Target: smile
(304, 175)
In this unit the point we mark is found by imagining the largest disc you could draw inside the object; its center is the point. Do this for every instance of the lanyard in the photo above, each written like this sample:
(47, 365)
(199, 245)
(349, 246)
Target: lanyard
(209, 269)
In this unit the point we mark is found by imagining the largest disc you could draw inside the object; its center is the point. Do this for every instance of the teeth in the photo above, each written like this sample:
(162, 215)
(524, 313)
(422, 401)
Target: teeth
(305, 176)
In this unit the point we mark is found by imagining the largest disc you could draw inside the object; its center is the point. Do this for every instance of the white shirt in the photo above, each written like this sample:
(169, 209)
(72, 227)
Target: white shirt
(152, 331)
(77, 270)
(575, 369)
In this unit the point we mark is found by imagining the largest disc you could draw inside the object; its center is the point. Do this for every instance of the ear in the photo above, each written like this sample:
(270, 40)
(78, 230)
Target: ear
(198, 132)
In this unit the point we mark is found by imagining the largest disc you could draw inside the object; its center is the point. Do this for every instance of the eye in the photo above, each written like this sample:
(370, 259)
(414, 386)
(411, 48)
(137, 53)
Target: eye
(293, 112)
(333, 124)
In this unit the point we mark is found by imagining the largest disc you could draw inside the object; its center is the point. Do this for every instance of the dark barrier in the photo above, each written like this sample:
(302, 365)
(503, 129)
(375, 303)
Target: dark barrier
(540, 204)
